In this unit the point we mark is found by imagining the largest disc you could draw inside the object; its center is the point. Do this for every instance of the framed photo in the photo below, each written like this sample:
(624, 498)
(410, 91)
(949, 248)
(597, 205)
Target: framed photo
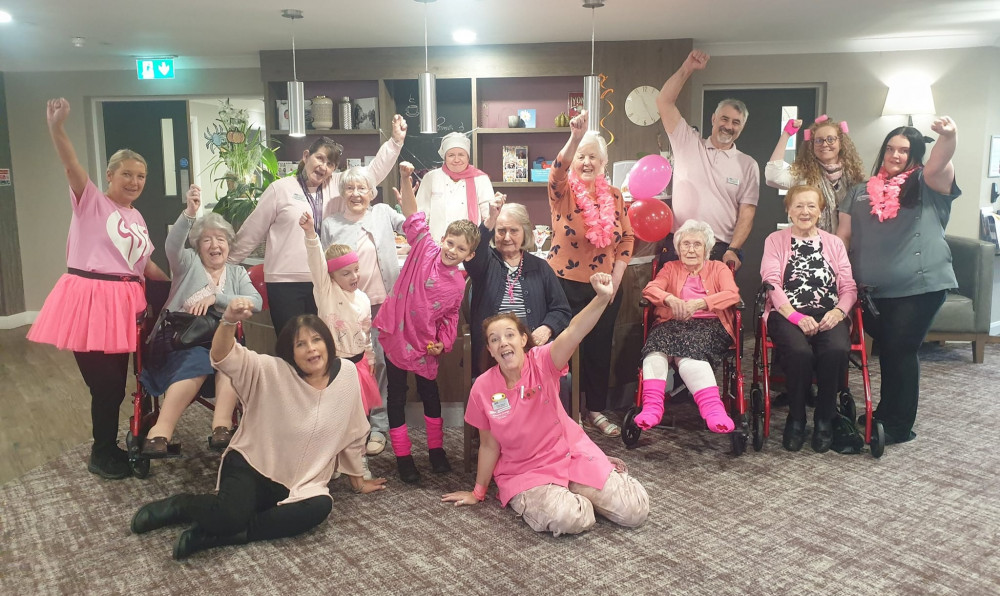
(993, 167)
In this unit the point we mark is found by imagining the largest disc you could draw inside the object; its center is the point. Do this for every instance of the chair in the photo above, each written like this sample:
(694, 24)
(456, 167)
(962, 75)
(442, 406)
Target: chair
(965, 314)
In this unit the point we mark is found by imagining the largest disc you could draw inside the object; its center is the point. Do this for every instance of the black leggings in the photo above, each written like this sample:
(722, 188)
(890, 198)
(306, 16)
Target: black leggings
(427, 389)
(105, 375)
(248, 502)
(595, 349)
(287, 300)
(899, 330)
(825, 353)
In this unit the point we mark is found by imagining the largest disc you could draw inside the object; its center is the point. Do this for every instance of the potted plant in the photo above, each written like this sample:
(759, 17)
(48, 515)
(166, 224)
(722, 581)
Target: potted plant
(249, 166)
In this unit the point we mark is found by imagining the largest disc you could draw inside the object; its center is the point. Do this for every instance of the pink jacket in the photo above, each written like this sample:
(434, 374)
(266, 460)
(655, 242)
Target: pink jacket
(777, 252)
(719, 285)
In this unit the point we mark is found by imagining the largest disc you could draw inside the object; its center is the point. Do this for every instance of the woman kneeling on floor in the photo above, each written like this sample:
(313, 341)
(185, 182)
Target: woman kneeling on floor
(544, 464)
(303, 420)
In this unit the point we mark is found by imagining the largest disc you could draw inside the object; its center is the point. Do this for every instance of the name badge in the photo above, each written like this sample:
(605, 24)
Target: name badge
(735, 181)
(298, 197)
(500, 403)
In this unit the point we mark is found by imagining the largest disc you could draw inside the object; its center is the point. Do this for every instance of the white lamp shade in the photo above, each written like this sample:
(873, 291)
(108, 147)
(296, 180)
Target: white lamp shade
(296, 109)
(908, 99)
(428, 103)
(592, 102)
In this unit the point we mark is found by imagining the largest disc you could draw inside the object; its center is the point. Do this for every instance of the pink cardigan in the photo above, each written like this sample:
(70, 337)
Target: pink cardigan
(777, 252)
(715, 277)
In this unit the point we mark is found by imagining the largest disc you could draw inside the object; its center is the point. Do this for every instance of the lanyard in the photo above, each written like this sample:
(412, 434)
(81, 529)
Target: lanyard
(315, 202)
(511, 282)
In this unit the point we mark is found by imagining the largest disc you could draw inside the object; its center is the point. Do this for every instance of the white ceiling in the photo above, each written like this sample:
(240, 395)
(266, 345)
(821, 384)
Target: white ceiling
(229, 33)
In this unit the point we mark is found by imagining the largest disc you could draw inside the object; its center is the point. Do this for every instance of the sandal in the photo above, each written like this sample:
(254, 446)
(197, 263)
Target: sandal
(376, 443)
(220, 438)
(159, 447)
(602, 424)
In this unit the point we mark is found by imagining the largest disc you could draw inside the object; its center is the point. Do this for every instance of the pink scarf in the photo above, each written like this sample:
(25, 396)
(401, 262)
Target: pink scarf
(471, 198)
(883, 193)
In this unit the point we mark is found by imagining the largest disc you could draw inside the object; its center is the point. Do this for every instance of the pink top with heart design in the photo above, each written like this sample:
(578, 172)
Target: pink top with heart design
(106, 238)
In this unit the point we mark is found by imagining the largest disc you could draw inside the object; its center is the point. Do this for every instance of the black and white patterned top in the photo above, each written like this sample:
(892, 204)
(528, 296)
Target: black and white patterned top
(810, 282)
(513, 296)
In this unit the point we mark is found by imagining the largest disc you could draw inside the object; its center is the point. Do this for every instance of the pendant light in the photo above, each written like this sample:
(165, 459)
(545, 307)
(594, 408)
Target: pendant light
(591, 82)
(296, 90)
(427, 83)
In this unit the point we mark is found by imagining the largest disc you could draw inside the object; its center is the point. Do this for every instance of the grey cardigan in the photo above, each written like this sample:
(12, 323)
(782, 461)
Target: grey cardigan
(188, 275)
(382, 222)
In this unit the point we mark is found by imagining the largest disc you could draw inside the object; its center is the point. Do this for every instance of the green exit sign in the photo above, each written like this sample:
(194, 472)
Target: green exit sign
(155, 68)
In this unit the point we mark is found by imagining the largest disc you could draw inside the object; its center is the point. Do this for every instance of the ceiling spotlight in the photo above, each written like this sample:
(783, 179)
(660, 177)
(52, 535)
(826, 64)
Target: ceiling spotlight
(464, 36)
(593, 3)
(78, 41)
(5, 17)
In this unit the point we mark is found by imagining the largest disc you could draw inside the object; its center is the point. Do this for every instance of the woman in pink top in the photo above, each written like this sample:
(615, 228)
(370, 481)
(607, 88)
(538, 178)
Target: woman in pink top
(694, 327)
(303, 420)
(314, 188)
(94, 306)
(545, 466)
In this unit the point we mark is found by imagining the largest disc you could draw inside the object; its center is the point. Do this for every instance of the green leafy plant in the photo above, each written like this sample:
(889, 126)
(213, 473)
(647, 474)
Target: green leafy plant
(249, 166)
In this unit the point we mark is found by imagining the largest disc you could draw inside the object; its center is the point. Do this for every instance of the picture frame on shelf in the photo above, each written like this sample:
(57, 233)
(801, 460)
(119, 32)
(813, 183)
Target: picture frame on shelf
(574, 105)
(528, 118)
(287, 168)
(366, 113)
(281, 119)
(515, 163)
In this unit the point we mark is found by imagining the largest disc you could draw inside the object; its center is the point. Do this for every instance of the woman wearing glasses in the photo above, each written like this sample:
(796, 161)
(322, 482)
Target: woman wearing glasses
(833, 164)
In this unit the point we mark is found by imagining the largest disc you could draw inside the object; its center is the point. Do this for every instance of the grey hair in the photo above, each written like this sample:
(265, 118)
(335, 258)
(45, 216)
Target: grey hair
(736, 104)
(594, 138)
(693, 226)
(520, 215)
(116, 159)
(210, 221)
(358, 174)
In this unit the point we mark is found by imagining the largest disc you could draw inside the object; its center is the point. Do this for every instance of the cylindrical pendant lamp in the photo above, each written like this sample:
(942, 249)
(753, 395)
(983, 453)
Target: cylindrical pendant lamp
(428, 103)
(592, 101)
(296, 109)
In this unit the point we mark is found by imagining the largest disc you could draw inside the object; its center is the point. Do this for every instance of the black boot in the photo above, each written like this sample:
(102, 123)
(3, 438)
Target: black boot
(822, 435)
(407, 469)
(795, 434)
(159, 514)
(439, 461)
(109, 462)
(196, 539)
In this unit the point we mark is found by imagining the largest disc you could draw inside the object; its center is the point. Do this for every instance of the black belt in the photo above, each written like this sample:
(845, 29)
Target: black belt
(356, 358)
(103, 276)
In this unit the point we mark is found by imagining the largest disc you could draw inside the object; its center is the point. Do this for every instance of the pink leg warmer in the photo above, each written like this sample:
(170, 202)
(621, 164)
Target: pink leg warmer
(400, 440)
(652, 403)
(435, 436)
(711, 409)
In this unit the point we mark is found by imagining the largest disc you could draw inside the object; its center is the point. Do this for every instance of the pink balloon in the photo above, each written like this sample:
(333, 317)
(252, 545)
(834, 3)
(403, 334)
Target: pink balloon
(649, 176)
(651, 219)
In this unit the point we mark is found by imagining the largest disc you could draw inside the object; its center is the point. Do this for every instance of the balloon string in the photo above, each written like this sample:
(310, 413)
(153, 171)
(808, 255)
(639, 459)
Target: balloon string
(611, 106)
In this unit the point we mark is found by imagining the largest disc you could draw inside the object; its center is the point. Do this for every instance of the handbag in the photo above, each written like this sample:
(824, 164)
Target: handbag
(187, 330)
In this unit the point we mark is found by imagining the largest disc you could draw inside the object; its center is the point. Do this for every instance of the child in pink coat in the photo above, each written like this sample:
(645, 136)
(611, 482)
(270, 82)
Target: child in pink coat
(419, 321)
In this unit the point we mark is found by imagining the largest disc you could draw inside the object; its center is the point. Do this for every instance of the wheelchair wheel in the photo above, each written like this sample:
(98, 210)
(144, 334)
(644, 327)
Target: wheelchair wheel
(878, 439)
(630, 430)
(846, 405)
(757, 418)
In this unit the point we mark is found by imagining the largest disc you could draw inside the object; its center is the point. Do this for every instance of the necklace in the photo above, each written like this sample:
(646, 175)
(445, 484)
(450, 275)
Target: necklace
(883, 193)
(514, 280)
(600, 218)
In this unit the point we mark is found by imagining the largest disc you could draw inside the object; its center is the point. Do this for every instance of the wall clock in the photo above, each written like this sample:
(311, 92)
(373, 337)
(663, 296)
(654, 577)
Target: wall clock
(640, 105)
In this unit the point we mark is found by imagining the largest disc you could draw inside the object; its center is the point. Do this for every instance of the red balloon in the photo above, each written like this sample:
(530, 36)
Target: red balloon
(651, 219)
(649, 176)
(257, 279)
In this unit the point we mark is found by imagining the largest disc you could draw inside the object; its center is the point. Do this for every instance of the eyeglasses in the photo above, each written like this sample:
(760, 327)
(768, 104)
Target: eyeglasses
(826, 140)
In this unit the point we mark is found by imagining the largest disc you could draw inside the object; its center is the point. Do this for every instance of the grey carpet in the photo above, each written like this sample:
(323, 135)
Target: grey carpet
(924, 519)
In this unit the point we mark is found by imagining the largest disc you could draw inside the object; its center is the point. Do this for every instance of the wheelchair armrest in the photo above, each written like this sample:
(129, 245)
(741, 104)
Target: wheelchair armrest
(866, 300)
(643, 302)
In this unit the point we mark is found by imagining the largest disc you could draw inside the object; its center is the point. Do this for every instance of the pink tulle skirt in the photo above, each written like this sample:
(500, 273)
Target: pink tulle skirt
(371, 397)
(85, 315)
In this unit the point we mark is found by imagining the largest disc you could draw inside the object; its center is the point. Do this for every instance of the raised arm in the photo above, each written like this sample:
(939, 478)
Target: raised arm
(406, 198)
(567, 342)
(666, 101)
(577, 128)
(939, 172)
(224, 339)
(56, 112)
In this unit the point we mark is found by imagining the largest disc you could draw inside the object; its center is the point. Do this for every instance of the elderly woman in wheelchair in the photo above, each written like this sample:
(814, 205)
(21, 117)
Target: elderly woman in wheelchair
(694, 327)
(808, 278)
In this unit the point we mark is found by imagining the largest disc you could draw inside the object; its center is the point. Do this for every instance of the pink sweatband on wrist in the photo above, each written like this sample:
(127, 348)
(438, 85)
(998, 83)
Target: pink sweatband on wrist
(479, 492)
(795, 317)
(341, 261)
(790, 127)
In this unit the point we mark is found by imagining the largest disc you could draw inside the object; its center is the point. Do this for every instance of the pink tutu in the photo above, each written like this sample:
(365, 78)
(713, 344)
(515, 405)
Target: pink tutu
(86, 315)
(371, 397)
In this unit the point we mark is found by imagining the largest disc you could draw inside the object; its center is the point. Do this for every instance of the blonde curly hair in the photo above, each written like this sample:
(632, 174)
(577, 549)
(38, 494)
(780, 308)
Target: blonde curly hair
(807, 168)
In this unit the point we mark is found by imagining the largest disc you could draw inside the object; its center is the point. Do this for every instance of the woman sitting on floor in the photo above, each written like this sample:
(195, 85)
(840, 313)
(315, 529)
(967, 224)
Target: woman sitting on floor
(303, 420)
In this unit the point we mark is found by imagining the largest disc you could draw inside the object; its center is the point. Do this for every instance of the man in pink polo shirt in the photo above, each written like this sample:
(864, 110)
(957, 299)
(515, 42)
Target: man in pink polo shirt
(714, 181)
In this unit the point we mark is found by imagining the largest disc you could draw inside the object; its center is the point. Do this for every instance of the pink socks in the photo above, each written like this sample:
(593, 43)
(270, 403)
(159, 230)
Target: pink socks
(435, 436)
(400, 440)
(711, 409)
(652, 403)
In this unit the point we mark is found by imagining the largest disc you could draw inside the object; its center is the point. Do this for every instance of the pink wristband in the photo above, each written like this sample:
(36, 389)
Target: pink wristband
(479, 492)
(790, 127)
(795, 317)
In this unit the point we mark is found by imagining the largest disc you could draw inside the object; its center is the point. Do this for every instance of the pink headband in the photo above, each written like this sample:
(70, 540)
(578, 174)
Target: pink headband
(807, 134)
(341, 261)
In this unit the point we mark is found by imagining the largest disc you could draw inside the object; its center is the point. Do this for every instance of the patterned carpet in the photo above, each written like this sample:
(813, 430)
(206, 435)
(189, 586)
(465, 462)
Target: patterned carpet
(925, 519)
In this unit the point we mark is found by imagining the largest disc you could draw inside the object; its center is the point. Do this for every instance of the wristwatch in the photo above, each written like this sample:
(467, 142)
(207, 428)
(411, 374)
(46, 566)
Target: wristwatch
(737, 251)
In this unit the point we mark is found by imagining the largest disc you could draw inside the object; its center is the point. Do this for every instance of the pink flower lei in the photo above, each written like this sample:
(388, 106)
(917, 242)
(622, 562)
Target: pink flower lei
(883, 193)
(599, 218)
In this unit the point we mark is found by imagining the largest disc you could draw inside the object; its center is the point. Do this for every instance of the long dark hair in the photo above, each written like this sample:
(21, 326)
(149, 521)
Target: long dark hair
(485, 359)
(334, 149)
(285, 346)
(909, 192)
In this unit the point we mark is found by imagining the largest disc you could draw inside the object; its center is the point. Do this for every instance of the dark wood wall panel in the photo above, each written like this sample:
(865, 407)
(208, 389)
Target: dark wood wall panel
(11, 281)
